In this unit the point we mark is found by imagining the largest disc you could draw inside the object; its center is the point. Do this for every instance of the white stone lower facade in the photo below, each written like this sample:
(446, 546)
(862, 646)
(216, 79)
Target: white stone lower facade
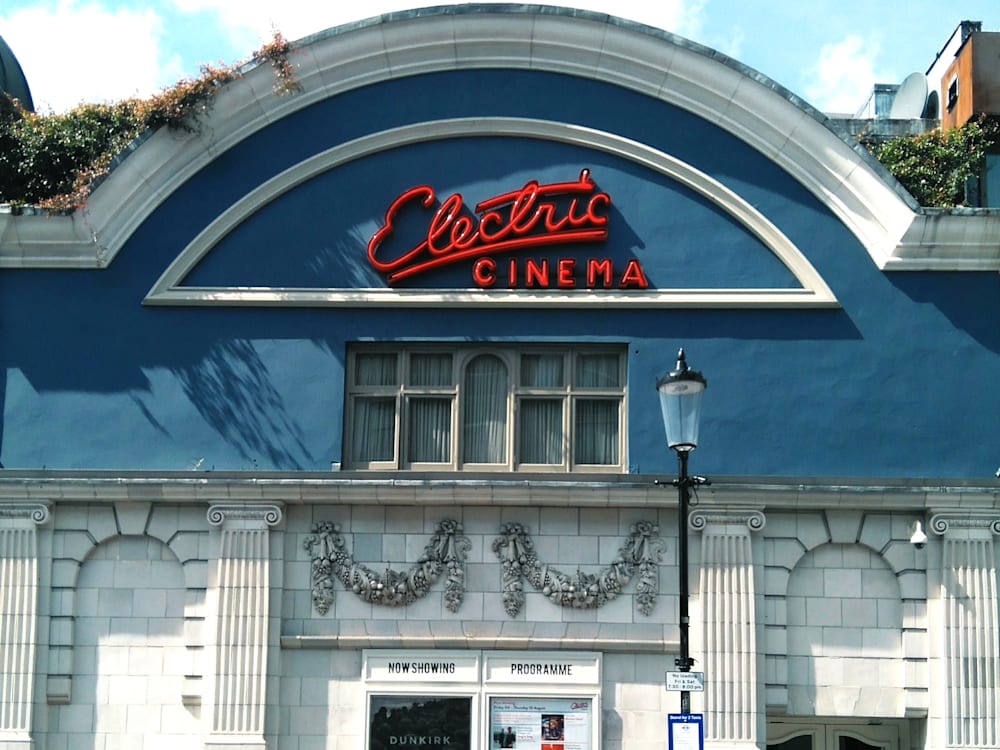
(252, 623)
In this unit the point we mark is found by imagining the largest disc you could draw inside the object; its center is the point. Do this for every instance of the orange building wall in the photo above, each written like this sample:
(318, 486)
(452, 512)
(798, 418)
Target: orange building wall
(977, 66)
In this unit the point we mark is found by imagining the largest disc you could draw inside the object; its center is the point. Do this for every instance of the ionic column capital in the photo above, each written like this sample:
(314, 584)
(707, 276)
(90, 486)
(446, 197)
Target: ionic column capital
(246, 515)
(702, 518)
(942, 523)
(36, 513)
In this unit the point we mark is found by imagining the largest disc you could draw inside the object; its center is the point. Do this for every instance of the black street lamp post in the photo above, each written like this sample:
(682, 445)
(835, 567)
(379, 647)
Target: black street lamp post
(680, 401)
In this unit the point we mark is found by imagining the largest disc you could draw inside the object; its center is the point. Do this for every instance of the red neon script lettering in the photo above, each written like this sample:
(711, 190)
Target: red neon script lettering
(528, 217)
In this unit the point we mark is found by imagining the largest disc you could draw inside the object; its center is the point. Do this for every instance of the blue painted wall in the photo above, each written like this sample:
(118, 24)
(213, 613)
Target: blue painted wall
(901, 381)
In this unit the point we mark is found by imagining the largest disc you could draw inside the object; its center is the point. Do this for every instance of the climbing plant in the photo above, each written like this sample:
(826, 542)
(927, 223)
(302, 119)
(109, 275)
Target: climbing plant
(53, 160)
(934, 166)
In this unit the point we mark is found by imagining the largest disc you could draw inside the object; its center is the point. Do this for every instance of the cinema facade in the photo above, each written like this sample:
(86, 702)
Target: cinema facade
(333, 424)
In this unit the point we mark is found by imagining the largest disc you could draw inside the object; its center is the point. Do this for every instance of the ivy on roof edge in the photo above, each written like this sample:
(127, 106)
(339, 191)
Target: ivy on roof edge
(54, 161)
(936, 166)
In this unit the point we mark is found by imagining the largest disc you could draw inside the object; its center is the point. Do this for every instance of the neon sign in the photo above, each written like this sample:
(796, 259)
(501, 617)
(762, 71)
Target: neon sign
(534, 216)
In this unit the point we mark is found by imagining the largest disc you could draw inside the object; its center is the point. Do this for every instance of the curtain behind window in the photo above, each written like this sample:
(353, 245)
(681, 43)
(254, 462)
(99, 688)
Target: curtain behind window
(430, 430)
(430, 369)
(540, 431)
(595, 432)
(374, 435)
(596, 437)
(597, 371)
(375, 369)
(484, 421)
(542, 370)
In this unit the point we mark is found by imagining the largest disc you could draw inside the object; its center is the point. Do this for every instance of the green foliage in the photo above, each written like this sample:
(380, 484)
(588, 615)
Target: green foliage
(53, 160)
(934, 166)
(43, 156)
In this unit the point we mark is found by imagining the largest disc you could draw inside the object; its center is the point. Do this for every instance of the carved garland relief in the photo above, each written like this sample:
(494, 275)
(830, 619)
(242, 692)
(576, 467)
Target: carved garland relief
(445, 554)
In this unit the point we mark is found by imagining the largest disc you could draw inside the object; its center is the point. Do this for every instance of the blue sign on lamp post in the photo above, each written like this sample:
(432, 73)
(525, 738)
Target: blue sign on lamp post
(685, 732)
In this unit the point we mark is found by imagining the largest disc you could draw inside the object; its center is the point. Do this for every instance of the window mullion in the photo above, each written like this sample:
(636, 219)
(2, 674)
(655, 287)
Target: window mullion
(568, 417)
(512, 457)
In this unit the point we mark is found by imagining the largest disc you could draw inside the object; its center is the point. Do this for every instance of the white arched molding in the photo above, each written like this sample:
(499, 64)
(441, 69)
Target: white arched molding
(727, 597)
(813, 292)
(242, 590)
(18, 619)
(589, 45)
(971, 666)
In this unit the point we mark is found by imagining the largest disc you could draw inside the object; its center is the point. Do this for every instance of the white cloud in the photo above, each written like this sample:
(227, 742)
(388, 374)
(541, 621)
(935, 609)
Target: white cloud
(80, 51)
(844, 75)
(293, 18)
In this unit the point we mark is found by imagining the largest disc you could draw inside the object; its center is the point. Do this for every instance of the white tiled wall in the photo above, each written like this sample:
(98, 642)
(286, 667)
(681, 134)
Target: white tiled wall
(843, 603)
(129, 657)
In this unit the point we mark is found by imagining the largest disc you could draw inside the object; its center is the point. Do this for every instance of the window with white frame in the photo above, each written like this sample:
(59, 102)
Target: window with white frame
(485, 407)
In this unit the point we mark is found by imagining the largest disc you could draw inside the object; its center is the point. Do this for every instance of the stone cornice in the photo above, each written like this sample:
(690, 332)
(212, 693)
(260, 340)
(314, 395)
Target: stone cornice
(565, 490)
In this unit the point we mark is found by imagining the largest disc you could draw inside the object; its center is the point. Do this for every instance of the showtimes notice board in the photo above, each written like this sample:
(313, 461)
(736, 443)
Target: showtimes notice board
(542, 723)
(685, 732)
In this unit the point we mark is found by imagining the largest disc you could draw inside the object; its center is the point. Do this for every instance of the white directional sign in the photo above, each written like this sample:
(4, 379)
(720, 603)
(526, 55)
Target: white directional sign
(693, 682)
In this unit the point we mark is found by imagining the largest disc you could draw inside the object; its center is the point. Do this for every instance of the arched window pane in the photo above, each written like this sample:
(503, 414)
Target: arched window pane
(484, 422)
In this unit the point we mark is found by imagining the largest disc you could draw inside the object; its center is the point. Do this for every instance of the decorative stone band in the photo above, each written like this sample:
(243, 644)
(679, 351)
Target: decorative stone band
(941, 523)
(251, 514)
(640, 553)
(699, 519)
(38, 513)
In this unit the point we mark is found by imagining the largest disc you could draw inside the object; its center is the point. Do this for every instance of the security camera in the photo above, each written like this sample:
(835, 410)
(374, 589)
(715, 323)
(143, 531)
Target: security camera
(918, 538)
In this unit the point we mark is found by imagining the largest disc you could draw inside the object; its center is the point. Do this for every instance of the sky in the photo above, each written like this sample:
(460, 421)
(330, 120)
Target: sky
(829, 52)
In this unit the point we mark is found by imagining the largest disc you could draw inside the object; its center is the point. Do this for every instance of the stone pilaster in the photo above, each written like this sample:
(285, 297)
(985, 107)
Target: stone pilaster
(972, 654)
(727, 597)
(18, 619)
(242, 590)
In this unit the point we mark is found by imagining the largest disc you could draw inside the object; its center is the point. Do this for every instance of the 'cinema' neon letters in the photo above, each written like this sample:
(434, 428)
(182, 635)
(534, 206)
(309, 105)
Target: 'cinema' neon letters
(534, 216)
